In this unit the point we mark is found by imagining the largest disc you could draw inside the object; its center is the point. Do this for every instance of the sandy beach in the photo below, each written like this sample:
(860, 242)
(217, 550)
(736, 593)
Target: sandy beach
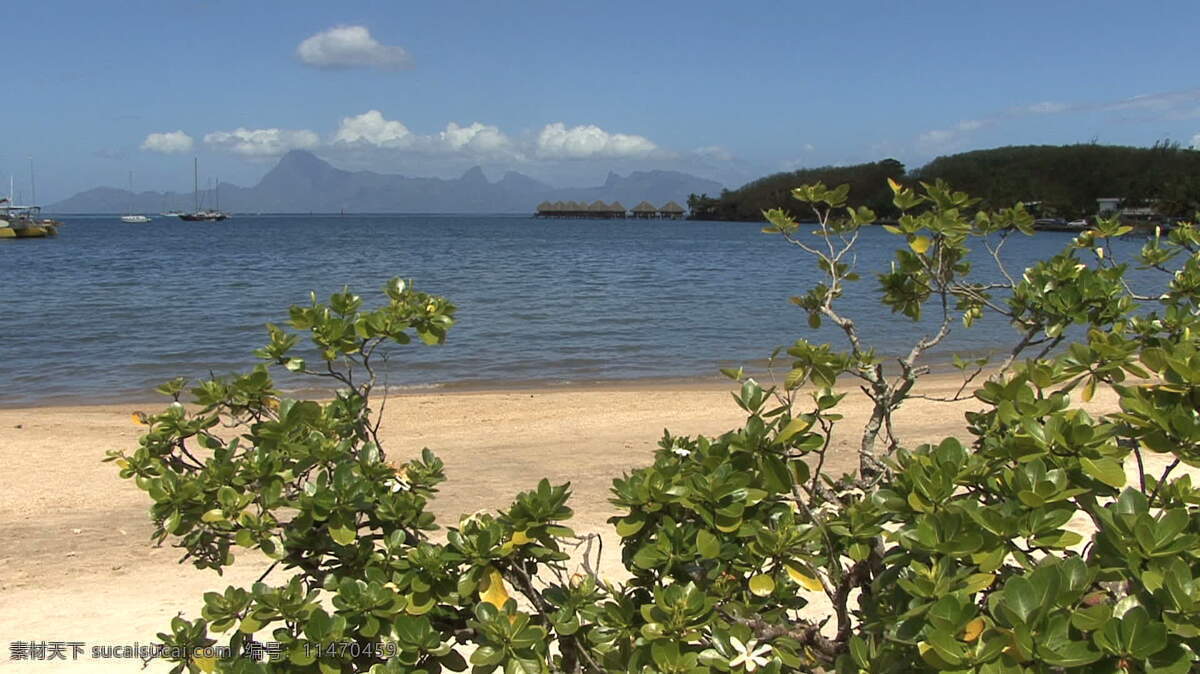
(76, 563)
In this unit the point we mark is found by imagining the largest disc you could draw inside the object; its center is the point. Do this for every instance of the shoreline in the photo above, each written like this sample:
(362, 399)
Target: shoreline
(939, 364)
(466, 387)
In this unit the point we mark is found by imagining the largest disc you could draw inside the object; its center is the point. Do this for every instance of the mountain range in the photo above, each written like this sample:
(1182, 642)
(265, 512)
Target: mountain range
(303, 183)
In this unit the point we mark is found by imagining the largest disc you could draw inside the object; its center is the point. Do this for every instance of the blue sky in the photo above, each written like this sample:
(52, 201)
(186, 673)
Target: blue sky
(566, 91)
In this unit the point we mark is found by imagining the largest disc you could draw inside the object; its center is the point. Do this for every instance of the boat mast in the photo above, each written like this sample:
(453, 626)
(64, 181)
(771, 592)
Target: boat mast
(32, 185)
(196, 184)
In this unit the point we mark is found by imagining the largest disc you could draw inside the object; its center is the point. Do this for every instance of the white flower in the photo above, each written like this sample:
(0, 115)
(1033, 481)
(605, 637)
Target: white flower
(680, 451)
(399, 481)
(750, 654)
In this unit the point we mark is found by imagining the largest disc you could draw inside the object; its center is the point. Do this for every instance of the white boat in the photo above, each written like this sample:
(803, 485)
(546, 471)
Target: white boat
(198, 215)
(133, 218)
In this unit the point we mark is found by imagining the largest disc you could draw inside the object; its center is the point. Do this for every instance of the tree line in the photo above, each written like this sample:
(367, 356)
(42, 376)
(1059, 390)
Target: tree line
(1056, 180)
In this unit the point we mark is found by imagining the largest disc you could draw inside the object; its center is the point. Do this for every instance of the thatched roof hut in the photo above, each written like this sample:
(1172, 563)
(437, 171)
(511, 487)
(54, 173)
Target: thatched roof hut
(671, 210)
(645, 210)
(596, 210)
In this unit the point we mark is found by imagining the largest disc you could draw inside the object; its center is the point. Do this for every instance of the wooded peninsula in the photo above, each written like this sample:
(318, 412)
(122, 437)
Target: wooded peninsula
(1058, 181)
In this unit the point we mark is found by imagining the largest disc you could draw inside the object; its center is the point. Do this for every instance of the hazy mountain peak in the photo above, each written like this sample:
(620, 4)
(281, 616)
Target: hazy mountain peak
(302, 159)
(302, 182)
(474, 175)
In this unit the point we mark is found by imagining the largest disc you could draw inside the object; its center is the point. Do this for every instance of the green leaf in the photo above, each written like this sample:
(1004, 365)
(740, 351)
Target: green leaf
(1021, 598)
(775, 471)
(630, 524)
(708, 544)
(1106, 470)
(796, 425)
(342, 534)
(486, 655)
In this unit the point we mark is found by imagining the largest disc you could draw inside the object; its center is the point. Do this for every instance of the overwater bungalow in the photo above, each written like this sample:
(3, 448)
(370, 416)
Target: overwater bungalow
(571, 209)
(645, 211)
(671, 210)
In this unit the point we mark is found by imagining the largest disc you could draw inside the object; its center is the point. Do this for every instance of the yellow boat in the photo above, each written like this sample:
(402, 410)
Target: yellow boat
(22, 222)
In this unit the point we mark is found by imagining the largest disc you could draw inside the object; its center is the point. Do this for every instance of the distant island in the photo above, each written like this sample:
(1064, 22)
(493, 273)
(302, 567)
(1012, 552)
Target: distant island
(1057, 181)
(303, 183)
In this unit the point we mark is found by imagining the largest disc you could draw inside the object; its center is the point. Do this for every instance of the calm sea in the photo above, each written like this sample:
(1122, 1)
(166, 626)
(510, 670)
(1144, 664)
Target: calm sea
(108, 310)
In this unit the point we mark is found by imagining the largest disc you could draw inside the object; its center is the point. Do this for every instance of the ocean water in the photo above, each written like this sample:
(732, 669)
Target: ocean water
(108, 310)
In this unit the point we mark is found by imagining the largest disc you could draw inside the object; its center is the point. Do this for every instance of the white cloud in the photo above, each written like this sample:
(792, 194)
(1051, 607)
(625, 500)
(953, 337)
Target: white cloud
(943, 140)
(350, 47)
(556, 141)
(937, 140)
(1196, 142)
(476, 139)
(370, 128)
(714, 152)
(260, 143)
(168, 142)
(1046, 108)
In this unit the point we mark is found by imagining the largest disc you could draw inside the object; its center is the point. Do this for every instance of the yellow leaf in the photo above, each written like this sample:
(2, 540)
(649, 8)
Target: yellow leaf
(205, 661)
(806, 581)
(896, 187)
(140, 419)
(519, 538)
(973, 630)
(1089, 390)
(920, 244)
(492, 589)
(214, 515)
(762, 585)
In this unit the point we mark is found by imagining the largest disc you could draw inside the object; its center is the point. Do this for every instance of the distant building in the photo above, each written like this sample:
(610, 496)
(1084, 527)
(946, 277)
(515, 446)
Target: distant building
(600, 210)
(671, 210)
(571, 209)
(1109, 206)
(645, 210)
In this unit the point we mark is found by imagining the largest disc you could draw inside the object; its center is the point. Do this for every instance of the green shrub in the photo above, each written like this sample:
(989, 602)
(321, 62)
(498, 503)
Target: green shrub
(955, 556)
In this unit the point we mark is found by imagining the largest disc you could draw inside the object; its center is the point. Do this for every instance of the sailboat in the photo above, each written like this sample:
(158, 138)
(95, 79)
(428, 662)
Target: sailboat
(197, 215)
(132, 217)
